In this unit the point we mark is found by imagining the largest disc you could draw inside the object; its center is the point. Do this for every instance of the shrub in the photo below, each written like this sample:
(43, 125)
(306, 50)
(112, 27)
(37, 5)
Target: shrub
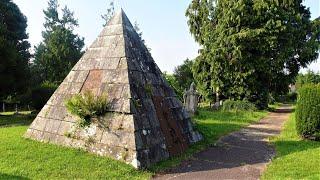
(86, 106)
(41, 94)
(231, 105)
(308, 111)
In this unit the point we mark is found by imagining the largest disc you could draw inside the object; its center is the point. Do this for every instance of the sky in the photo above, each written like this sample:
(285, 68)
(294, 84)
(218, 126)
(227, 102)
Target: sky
(162, 22)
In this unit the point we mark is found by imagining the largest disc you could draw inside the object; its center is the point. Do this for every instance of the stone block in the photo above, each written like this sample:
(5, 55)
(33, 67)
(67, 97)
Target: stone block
(52, 126)
(65, 127)
(39, 123)
(119, 139)
(113, 77)
(77, 76)
(108, 42)
(112, 30)
(113, 91)
(107, 63)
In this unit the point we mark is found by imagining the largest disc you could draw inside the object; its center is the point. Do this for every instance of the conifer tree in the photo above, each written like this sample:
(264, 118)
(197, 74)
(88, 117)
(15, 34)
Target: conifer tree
(14, 50)
(61, 47)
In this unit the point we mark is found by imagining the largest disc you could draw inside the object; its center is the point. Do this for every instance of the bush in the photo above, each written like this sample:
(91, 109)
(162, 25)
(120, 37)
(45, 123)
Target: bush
(231, 105)
(87, 106)
(41, 94)
(308, 111)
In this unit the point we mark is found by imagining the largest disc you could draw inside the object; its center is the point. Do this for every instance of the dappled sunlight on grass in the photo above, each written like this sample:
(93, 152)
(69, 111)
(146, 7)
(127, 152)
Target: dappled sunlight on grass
(296, 158)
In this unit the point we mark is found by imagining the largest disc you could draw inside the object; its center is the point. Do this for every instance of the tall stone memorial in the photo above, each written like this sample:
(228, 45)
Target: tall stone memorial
(190, 99)
(146, 122)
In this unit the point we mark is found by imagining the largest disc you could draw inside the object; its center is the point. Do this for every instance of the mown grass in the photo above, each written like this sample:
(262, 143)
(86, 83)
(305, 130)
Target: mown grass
(10, 119)
(296, 158)
(21, 158)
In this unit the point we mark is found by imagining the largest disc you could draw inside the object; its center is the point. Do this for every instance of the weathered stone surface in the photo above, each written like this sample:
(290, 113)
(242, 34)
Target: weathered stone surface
(39, 124)
(190, 98)
(145, 122)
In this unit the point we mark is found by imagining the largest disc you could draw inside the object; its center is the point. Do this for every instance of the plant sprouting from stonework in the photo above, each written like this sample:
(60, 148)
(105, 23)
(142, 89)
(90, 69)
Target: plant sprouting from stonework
(148, 89)
(87, 106)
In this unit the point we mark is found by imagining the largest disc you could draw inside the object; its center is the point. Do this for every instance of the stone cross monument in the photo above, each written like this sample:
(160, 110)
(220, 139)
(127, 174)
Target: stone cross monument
(190, 99)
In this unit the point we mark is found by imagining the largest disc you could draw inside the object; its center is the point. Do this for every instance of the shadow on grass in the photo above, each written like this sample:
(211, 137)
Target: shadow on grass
(285, 148)
(7, 176)
(212, 125)
(211, 133)
(16, 120)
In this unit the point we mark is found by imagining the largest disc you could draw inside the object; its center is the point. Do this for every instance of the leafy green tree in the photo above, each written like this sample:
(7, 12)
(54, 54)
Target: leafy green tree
(60, 49)
(251, 48)
(184, 75)
(14, 50)
(309, 78)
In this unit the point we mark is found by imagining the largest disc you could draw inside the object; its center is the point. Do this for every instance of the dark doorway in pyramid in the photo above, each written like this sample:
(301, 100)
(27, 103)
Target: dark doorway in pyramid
(146, 122)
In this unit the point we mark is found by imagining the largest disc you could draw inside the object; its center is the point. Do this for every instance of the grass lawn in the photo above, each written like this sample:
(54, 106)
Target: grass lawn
(9, 119)
(296, 158)
(22, 158)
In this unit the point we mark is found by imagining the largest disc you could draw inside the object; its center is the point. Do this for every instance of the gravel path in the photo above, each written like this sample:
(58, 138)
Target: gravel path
(239, 155)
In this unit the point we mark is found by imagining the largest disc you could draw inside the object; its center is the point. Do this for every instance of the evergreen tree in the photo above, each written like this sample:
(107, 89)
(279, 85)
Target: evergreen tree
(251, 48)
(183, 74)
(14, 50)
(61, 47)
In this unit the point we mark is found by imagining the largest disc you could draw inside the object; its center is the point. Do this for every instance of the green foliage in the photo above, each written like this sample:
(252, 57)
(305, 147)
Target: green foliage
(251, 48)
(86, 106)
(14, 50)
(61, 47)
(231, 105)
(8, 119)
(181, 78)
(287, 98)
(308, 111)
(174, 84)
(184, 75)
(41, 94)
(296, 158)
(309, 78)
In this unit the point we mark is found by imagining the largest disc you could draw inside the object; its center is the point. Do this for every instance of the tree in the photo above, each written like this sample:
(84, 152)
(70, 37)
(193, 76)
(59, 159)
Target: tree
(110, 12)
(60, 49)
(181, 78)
(309, 78)
(251, 48)
(184, 75)
(14, 50)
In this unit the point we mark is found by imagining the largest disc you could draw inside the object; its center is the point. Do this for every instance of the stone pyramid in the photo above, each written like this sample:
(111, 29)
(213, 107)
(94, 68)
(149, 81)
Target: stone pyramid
(146, 122)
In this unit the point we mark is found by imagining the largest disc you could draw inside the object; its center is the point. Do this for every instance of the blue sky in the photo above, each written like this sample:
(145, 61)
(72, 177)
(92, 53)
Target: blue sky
(162, 22)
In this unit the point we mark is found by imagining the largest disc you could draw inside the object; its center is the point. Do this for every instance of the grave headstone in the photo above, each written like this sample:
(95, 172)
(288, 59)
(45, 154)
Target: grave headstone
(191, 98)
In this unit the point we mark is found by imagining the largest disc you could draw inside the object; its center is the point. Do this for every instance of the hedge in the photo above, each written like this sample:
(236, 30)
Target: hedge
(231, 105)
(308, 111)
